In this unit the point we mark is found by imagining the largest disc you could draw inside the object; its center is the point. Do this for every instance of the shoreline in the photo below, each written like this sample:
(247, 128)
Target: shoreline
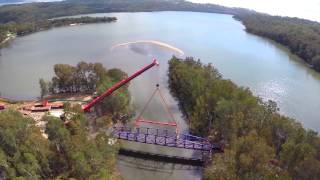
(9, 37)
(55, 23)
(81, 97)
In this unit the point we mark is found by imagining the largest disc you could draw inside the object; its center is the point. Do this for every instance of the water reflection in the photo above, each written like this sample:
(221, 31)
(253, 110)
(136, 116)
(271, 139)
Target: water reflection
(154, 165)
(139, 169)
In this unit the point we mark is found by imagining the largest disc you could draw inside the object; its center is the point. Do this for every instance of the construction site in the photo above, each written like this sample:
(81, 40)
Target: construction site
(51, 105)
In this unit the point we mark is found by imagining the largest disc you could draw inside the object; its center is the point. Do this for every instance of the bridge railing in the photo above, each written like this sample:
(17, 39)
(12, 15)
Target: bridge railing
(162, 137)
(162, 133)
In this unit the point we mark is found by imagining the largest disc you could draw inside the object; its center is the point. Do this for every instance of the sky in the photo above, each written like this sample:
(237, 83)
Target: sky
(307, 9)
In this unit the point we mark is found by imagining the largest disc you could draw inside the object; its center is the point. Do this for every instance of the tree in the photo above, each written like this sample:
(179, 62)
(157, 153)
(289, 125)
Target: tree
(259, 142)
(24, 151)
(76, 155)
(223, 168)
(316, 62)
(116, 74)
(65, 77)
(44, 87)
(115, 104)
(293, 154)
(302, 37)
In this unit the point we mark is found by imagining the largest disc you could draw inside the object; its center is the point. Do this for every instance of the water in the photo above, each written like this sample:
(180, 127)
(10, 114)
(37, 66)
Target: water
(267, 68)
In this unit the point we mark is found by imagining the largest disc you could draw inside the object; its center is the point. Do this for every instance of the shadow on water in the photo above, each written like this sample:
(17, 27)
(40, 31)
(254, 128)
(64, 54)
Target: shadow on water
(139, 169)
(152, 165)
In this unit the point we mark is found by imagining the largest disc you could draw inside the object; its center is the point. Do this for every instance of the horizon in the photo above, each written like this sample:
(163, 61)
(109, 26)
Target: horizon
(300, 9)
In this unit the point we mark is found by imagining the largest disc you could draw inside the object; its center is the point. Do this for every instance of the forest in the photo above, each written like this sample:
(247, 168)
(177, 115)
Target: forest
(302, 37)
(78, 148)
(90, 78)
(46, 10)
(25, 28)
(67, 153)
(259, 142)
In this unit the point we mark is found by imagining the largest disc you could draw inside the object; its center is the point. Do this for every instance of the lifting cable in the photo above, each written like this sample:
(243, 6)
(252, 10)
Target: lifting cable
(167, 109)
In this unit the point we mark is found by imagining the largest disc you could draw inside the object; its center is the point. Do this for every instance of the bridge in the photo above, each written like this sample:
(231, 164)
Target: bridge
(160, 137)
(164, 137)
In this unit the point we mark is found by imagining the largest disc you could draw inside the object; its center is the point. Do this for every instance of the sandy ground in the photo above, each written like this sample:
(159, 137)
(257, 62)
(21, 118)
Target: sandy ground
(37, 116)
(9, 37)
(70, 96)
(158, 43)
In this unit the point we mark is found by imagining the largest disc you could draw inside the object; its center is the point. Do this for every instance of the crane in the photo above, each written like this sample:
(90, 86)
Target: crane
(115, 87)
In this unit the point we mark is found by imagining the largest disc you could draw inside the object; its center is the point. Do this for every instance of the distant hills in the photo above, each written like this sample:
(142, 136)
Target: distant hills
(10, 1)
(40, 11)
(4, 2)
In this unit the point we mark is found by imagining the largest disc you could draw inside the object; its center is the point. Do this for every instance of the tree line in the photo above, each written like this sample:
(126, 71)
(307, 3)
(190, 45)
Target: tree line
(90, 78)
(78, 148)
(25, 28)
(82, 78)
(260, 143)
(68, 153)
(45, 10)
(302, 37)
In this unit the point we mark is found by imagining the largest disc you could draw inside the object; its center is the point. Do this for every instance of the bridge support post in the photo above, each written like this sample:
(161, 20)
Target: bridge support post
(127, 135)
(156, 136)
(137, 134)
(145, 138)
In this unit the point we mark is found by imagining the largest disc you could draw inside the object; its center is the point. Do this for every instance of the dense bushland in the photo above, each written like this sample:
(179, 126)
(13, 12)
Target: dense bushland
(29, 27)
(302, 37)
(75, 148)
(68, 152)
(46, 10)
(90, 78)
(260, 143)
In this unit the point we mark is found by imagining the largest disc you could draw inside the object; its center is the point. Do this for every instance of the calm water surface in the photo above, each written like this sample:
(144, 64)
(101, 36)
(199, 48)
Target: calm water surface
(267, 69)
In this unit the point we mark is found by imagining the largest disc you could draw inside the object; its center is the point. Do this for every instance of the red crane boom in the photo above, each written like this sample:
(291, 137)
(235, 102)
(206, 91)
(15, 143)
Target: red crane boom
(119, 85)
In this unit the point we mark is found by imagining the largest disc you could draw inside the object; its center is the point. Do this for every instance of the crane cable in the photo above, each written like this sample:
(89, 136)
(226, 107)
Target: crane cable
(164, 104)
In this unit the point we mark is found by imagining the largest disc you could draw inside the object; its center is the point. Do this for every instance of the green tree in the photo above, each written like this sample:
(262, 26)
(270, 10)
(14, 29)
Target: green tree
(115, 104)
(77, 153)
(259, 142)
(24, 151)
(44, 87)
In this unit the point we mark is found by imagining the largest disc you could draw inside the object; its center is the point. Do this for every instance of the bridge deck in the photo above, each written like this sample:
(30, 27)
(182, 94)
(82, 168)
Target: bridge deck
(165, 138)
